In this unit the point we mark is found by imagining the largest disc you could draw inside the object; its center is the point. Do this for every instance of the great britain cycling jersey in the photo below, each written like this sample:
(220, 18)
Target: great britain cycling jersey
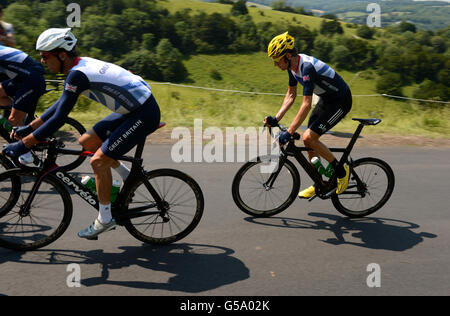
(318, 78)
(114, 87)
(15, 63)
(26, 81)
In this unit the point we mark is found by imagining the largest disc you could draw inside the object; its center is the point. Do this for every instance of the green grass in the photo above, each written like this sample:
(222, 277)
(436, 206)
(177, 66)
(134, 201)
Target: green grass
(258, 15)
(255, 72)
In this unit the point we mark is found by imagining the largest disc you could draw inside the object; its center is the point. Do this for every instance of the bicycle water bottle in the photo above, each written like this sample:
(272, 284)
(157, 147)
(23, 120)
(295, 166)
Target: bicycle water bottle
(115, 190)
(318, 165)
(329, 171)
(5, 123)
(89, 183)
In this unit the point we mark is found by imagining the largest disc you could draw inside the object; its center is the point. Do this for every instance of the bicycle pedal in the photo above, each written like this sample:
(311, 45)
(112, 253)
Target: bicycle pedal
(312, 197)
(92, 238)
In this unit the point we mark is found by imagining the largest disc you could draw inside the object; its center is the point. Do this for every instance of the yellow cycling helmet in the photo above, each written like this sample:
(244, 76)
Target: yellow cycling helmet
(278, 46)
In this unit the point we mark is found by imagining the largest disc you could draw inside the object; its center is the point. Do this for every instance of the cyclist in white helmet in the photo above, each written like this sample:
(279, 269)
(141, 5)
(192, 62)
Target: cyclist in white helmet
(136, 114)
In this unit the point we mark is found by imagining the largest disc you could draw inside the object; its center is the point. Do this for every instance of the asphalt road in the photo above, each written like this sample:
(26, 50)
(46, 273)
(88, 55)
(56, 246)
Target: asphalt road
(309, 249)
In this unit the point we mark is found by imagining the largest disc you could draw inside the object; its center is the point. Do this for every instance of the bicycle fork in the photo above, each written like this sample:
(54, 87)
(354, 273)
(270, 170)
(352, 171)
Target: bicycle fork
(269, 183)
(25, 209)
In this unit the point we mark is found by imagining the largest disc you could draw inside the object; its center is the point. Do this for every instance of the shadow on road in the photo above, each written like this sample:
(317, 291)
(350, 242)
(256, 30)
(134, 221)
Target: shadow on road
(196, 268)
(374, 233)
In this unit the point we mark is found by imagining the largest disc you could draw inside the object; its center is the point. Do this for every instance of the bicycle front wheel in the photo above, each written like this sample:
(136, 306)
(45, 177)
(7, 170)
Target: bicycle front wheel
(266, 186)
(183, 198)
(46, 219)
(68, 134)
(370, 186)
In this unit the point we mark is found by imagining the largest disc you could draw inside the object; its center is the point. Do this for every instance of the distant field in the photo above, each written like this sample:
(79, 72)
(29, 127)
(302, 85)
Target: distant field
(257, 14)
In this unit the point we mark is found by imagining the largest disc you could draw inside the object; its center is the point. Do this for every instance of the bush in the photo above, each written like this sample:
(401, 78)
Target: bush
(142, 63)
(331, 27)
(430, 90)
(365, 32)
(390, 83)
(239, 8)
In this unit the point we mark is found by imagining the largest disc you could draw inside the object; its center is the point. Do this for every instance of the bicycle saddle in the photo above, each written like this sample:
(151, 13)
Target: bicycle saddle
(370, 121)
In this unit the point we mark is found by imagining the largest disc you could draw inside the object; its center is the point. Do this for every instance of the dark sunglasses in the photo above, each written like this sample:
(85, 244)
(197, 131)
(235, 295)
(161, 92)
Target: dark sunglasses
(46, 55)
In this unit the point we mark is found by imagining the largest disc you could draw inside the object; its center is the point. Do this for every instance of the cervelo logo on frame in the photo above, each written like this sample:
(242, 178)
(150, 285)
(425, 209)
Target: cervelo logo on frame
(236, 144)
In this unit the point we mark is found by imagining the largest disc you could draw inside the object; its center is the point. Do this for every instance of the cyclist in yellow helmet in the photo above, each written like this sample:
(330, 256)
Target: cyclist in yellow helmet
(335, 102)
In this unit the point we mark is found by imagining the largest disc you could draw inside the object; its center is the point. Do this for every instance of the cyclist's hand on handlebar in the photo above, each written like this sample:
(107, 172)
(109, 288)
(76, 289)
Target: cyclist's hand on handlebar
(15, 150)
(271, 121)
(21, 131)
(285, 137)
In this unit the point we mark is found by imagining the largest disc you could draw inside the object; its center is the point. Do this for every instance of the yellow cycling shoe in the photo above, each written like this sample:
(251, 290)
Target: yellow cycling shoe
(342, 183)
(307, 193)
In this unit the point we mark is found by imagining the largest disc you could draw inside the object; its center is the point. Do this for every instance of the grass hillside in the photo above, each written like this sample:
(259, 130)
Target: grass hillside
(258, 15)
(255, 72)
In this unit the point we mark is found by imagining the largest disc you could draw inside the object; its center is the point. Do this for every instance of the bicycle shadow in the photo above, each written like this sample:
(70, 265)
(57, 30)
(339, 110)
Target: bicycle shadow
(196, 268)
(374, 233)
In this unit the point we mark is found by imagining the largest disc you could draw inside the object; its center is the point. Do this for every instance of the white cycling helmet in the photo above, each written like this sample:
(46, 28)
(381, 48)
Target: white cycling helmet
(56, 38)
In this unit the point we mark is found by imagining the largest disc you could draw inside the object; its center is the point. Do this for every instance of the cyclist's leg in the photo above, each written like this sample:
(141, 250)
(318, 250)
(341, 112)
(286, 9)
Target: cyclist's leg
(324, 117)
(133, 129)
(7, 91)
(120, 134)
(26, 98)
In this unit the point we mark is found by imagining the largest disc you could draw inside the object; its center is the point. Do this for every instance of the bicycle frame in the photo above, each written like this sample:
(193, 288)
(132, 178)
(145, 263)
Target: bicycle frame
(323, 189)
(137, 172)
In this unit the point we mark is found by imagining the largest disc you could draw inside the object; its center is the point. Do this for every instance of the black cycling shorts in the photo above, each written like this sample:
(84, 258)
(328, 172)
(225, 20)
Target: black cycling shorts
(25, 92)
(120, 133)
(327, 113)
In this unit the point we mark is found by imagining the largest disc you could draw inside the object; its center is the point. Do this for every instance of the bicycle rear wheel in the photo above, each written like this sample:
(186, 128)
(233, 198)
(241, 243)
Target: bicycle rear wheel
(256, 190)
(370, 186)
(179, 192)
(47, 218)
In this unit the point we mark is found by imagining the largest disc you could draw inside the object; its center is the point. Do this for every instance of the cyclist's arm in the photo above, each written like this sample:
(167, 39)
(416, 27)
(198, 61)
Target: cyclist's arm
(301, 115)
(53, 119)
(36, 123)
(309, 76)
(290, 97)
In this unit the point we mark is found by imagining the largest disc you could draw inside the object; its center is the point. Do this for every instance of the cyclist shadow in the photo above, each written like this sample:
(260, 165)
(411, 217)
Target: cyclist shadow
(369, 232)
(196, 268)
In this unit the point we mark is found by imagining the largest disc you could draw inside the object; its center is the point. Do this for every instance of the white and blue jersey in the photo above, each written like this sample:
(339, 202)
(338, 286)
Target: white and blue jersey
(15, 63)
(25, 82)
(116, 88)
(317, 77)
(136, 113)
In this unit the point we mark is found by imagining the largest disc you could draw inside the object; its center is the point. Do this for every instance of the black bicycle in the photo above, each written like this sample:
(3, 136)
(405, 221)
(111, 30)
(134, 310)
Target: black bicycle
(157, 207)
(67, 137)
(268, 185)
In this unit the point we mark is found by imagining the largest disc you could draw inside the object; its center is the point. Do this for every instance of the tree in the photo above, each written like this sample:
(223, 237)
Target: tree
(168, 61)
(341, 55)
(239, 8)
(304, 38)
(390, 83)
(322, 48)
(359, 53)
(218, 32)
(142, 63)
(405, 26)
(365, 32)
(331, 27)
(431, 90)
